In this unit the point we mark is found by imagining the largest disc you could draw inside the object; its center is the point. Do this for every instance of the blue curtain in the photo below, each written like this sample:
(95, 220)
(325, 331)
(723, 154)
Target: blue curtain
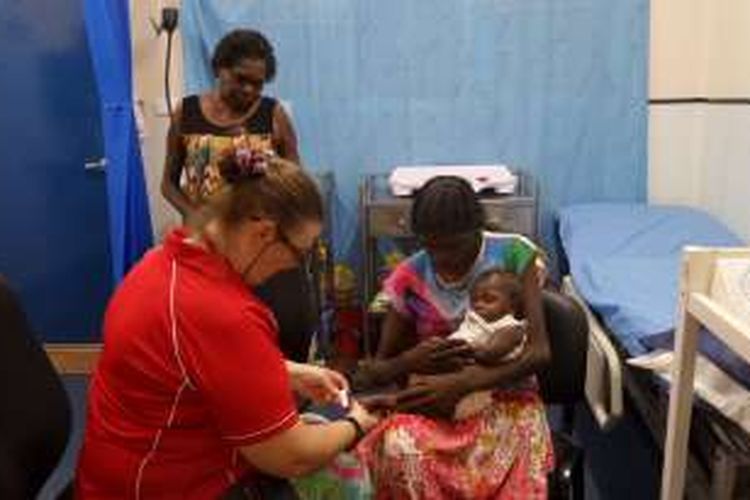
(108, 29)
(555, 88)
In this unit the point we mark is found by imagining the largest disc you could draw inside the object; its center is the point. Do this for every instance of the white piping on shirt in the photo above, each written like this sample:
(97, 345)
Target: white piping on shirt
(173, 324)
(270, 428)
(157, 438)
(185, 382)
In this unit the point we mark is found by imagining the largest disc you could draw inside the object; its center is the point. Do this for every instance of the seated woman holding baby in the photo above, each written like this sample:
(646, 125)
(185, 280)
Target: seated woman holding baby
(462, 339)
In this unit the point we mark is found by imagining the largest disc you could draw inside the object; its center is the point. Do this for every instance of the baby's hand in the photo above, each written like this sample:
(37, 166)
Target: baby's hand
(499, 345)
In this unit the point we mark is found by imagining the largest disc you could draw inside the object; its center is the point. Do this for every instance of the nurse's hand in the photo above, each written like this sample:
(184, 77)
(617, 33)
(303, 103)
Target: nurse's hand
(317, 383)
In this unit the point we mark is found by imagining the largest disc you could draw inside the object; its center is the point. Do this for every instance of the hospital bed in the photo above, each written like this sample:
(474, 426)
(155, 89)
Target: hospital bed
(714, 293)
(621, 262)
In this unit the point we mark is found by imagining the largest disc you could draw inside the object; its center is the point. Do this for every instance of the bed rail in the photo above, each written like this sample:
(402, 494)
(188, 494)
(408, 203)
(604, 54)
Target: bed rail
(603, 368)
(697, 307)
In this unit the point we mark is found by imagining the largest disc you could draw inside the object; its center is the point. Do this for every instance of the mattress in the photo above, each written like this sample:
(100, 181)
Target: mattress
(624, 260)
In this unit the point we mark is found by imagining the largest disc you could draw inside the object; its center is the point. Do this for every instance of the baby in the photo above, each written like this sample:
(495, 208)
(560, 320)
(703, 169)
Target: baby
(492, 327)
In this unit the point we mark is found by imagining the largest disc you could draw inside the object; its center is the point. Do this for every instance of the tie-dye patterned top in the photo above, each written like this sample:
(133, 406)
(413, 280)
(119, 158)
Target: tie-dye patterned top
(205, 143)
(416, 292)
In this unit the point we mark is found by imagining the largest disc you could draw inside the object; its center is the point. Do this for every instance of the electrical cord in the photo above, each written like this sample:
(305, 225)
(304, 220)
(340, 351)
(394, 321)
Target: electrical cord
(169, 17)
(167, 64)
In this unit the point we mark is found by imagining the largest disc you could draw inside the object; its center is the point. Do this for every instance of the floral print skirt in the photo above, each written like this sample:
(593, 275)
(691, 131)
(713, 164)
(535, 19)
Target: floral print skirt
(502, 453)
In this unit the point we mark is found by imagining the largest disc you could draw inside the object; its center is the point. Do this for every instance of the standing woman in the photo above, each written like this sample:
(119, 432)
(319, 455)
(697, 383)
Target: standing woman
(236, 115)
(191, 393)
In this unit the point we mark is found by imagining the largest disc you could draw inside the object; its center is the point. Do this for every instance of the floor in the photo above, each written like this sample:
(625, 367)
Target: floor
(621, 464)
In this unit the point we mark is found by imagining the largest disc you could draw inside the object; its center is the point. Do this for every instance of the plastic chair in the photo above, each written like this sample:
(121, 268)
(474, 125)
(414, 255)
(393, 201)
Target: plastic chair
(562, 383)
(35, 415)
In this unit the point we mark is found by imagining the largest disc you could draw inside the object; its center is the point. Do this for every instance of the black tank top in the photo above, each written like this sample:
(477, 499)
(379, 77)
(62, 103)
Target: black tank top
(206, 143)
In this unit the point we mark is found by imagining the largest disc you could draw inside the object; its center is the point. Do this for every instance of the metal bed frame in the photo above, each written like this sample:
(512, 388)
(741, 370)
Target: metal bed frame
(697, 308)
(719, 447)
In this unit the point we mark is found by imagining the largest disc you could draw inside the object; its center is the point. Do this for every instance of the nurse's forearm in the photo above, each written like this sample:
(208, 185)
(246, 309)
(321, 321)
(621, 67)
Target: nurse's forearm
(301, 449)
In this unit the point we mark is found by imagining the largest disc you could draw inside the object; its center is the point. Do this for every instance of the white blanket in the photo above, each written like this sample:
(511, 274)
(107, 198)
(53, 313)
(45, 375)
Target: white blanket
(711, 383)
(730, 287)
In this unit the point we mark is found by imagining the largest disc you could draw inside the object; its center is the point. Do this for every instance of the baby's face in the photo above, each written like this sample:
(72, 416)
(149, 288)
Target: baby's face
(489, 300)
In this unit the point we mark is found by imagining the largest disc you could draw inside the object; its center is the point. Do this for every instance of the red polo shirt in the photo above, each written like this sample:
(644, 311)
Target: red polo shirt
(190, 371)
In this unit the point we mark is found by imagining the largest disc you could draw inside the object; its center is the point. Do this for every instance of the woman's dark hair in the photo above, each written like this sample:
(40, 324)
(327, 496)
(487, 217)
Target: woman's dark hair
(281, 191)
(446, 205)
(244, 44)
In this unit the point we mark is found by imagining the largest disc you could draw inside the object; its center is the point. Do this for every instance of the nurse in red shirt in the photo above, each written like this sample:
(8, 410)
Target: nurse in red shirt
(191, 392)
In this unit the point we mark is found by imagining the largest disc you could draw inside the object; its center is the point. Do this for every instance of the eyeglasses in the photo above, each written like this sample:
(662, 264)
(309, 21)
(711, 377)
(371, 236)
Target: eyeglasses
(300, 254)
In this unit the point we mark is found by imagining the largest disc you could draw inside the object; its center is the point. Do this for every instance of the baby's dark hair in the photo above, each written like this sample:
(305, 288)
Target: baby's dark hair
(446, 205)
(509, 283)
(244, 44)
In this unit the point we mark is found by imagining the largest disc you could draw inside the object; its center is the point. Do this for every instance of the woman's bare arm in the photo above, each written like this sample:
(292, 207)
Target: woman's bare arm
(399, 355)
(174, 163)
(387, 367)
(304, 448)
(284, 136)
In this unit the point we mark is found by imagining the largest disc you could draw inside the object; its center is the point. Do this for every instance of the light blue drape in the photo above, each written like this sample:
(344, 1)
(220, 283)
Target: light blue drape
(108, 30)
(556, 88)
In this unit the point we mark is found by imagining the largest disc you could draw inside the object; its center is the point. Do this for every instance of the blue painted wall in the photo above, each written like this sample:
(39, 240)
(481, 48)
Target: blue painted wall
(555, 88)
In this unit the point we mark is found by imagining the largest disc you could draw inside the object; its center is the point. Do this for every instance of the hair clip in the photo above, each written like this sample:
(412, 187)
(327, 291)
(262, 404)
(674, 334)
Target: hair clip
(251, 162)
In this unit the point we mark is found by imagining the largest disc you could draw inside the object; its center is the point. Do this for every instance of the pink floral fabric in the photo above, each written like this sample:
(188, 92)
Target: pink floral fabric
(503, 453)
